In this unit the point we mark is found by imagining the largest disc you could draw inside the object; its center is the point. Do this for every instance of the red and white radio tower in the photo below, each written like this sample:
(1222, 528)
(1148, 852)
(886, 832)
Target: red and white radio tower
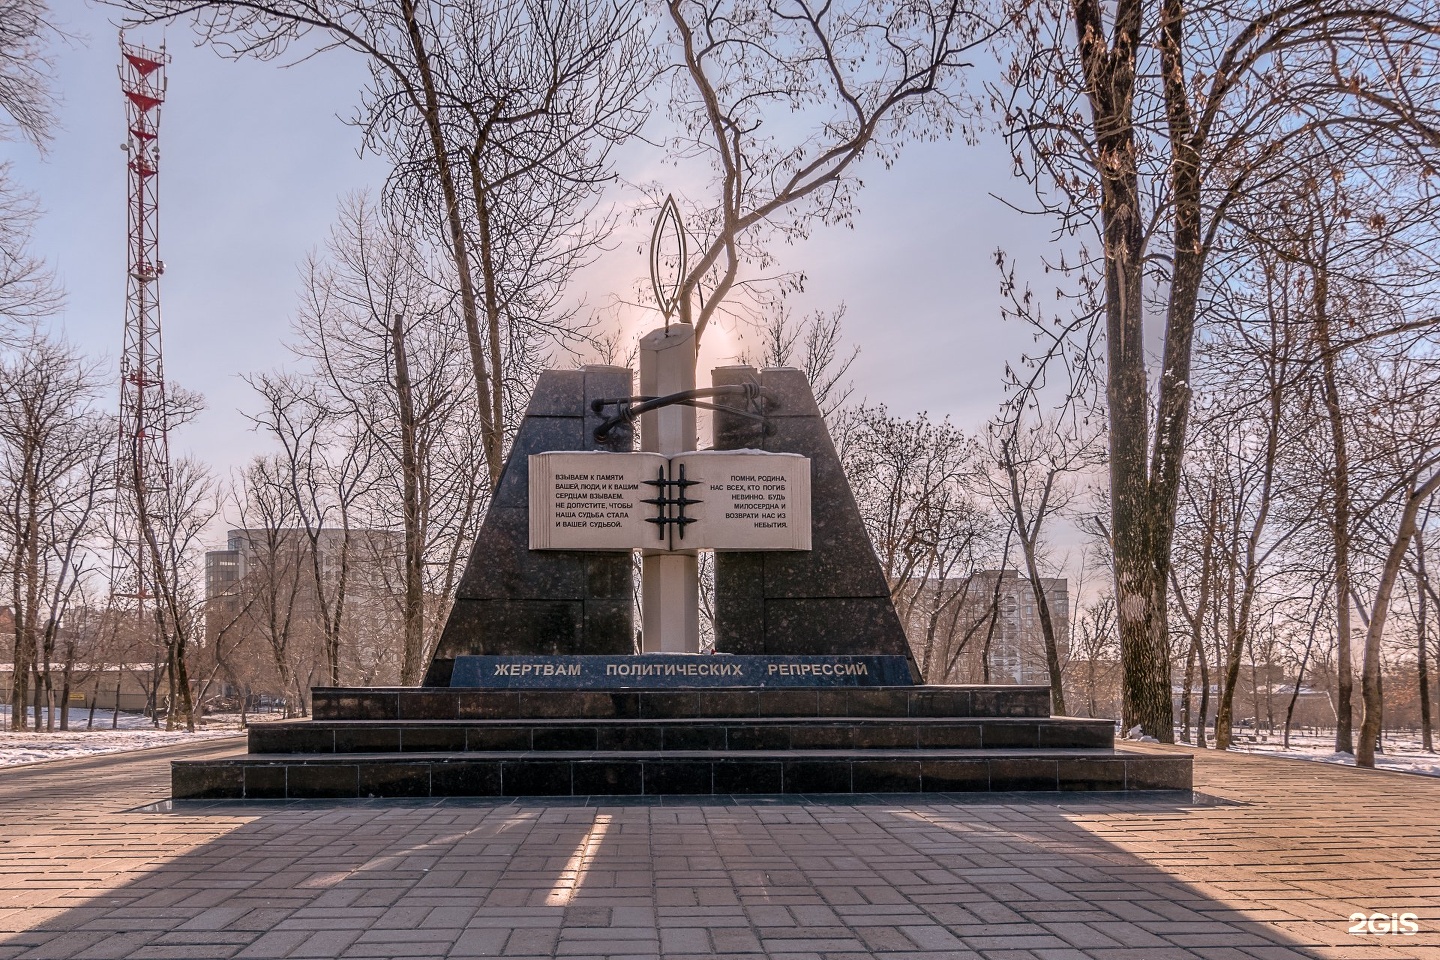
(143, 461)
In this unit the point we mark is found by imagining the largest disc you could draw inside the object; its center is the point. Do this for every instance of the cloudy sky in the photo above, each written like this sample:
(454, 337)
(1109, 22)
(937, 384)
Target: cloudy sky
(255, 158)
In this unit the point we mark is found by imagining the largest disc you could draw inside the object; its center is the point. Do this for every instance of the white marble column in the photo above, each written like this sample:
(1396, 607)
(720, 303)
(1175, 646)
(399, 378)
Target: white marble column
(670, 580)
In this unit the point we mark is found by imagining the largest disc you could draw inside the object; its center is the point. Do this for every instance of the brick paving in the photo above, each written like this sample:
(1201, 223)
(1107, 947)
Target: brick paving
(1275, 874)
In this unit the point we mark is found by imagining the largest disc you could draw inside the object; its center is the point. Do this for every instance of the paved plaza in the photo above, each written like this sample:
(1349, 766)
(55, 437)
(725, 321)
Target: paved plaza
(1271, 866)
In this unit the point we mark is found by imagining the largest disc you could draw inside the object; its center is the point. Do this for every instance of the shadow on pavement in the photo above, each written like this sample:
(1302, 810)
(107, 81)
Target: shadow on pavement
(809, 878)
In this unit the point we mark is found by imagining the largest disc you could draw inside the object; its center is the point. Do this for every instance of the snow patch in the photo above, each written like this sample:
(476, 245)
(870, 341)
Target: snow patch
(1402, 752)
(135, 732)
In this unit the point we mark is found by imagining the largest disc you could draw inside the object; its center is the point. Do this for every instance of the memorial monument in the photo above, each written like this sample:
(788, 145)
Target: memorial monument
(543, 684)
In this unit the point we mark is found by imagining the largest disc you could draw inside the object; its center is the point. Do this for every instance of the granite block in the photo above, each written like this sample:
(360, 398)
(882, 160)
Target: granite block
(693, 737)
(514, 627)
(739, 621)
(536, 435)
(322, 780)
(1091, 774)
(1010, 701)
(394, 779)
(498, 738)
(676, 777)
(940, 703)
(811, 597)
(954, 776)
(610, 704)
(740, 575)
(563, 738)
(823, 736)
(285, 737)
(1076, 734)
(950, 736)
(417, 738)
(887, 736)
(428, 704)
(196, 781)
(607, 382)
(609, 576)
(885, 702)
(629, 737)
(508, 569)
(1024, 773)
(749, 776)
(265, 782)
(552, 704)
(367, 739)
(832, 703)
(609, 627)
(757, 737)
(558, 393)
(854, 625)
(1009, 734)
(817, 776)
(1158, 773)
(788, 703)
(536, 778)
(487, 705)
(438, 673)
(514, 600)
(669, 704)
(366, 705)
(727, 703)
(885, 776)
(608, 778)
(465, 778)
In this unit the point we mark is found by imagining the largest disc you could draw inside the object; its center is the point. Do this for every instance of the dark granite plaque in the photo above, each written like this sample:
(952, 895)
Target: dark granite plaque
(514, 600)
(678, 670)
(833, 597)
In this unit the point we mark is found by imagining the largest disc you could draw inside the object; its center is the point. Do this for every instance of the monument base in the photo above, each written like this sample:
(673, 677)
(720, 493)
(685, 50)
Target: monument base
(428, 742)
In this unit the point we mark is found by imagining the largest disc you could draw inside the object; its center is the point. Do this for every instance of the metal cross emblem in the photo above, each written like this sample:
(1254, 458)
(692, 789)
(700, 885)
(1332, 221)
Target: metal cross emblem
(663, 516)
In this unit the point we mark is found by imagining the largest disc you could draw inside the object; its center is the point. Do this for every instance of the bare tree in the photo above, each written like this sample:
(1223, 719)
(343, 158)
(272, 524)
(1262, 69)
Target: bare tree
(814, 344)
(853, 79)
(1414, 460)
(913, 484)
(498, 116)
(277, 571)
(381, 341)
(1038, 459)
(1151, 125)
(324, 467)
(53, 480)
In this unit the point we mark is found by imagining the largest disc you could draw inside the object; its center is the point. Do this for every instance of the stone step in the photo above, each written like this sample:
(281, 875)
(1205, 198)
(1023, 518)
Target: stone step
(666, 736)
(594, 773)
(439, 703)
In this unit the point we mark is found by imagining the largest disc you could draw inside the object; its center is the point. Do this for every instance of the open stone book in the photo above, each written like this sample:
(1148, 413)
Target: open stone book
(701, 500)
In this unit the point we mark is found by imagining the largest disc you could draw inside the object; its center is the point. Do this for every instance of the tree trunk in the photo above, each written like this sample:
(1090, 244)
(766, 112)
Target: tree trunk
(1299, 679)
(413, 610)
(1370, 682)
(1186, 692)
(1339, 518)
(1204, 716)
(1422, 664)
(491, 428)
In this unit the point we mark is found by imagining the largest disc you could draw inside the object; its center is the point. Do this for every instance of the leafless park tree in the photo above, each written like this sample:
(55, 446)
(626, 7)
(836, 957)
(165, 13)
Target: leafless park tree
(498, 116)
(54, 480)
(853, 79)
(1149, 125)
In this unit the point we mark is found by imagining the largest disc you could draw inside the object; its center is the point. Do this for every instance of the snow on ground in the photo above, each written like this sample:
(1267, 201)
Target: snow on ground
(1402, 752)
(134, 732)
